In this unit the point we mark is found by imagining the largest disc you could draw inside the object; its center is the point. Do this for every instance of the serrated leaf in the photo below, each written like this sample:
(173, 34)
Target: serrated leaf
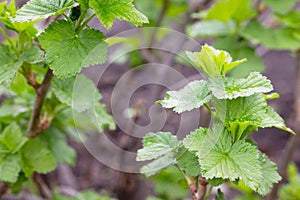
(9, 168)
(156, 145)
(57, 143)
(211, 61)
(11, 139)
(33, 55)
(68, 52)
(188, 161)
(210, 28)
(231, 10)
(8, 66)
(226, 160)
(192, 96)
(109, 10)
(35, 157)
(231, 88)
(78, 92)
(269, 175)
(195, 140)
(41, 9)
(159, 164)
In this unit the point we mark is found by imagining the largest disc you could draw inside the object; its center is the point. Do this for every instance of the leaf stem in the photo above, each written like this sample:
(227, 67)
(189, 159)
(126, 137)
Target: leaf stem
(208, 192)
(81, 26)
(6, 36)
(187, 178)
(41, 91)
(208, 108)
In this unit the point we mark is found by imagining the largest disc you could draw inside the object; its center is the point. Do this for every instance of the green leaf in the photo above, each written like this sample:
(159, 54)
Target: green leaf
(9, 168)
(211, 61)
(188, 161)
(193, 95)
(57, 143)
(194, 141)
(159, 164)
(226, 160)
(281, 7)
(231, 10)
(210, 28)
(109, 10)
(41, 9)
(291, 20)
(78, 92)
(156, 145)
(68, 52)
(277, 39)
(35, 157)
(11, 139)
(269, 175)
(8, 66)
(231, 88)
(33, 55)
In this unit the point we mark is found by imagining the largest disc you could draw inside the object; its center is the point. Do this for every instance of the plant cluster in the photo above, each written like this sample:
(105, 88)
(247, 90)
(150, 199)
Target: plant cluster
(222, 152)
(38, 78)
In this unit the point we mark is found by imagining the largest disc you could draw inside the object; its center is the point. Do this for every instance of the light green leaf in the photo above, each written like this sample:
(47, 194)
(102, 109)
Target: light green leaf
(12, 139)
(194, 141)
(33, 55)
(9, 168)
(68, 52)
(231, 10)
(159, 164)
(281, 7)
(109, 10)
(193, 95)
(57, 143)
(188, 161)
(78, 92)
(226, 160)
(269, 174)
(156, 145)
(231, 88)
(8, 66)
(277, 39)
(35, 157)
(41, 9)
(210, 28)
(211, 61)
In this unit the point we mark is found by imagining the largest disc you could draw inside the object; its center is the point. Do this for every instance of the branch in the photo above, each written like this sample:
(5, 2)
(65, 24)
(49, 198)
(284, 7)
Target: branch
(34, 128)
(42, 186)
(293, 141)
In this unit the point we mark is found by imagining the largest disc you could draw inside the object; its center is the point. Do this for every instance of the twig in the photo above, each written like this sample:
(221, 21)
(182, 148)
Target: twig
(42, 186)
(3, 189)
(34, 124)
(291, 145)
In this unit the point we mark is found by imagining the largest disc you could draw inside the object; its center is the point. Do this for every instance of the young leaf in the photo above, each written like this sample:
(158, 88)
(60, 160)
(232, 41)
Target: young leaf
(109, 10)
(269, 174)
(211, 61)
(41, 9)
(33, 55)
(8, 65)
(195, 140)
(281, 7)
(220, 195)
(231, 88)
(156, 145)
(11, 139)
(36, 157)
(226, 160)
(161, 146)
(159, 164)
(9, 168)
(193, 95)
(68, 52)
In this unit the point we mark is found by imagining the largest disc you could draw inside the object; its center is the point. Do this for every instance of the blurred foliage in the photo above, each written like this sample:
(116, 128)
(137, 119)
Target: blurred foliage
(291, 190)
